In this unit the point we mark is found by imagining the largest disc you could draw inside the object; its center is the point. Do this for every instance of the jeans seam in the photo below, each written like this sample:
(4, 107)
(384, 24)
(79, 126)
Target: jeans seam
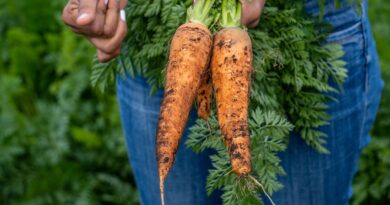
(365, 71)
(344, 34)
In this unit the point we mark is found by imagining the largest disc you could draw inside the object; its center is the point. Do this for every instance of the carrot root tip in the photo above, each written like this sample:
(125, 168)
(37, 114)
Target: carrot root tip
(162, 191)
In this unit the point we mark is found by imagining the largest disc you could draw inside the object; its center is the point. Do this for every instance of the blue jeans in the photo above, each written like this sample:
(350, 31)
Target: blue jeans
(312, 178)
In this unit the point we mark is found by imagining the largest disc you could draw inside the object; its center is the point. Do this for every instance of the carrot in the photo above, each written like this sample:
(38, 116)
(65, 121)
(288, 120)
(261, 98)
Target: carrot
(189, 58)
(231, 67)
(204, 96)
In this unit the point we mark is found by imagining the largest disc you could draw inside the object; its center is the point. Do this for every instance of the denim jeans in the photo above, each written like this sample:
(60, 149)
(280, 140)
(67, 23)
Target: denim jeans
(312, 178)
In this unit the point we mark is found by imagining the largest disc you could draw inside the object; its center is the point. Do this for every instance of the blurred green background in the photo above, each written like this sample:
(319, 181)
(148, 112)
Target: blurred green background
(61, 141)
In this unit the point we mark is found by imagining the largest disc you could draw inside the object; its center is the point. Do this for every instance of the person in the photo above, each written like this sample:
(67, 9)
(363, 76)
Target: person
(311, 178)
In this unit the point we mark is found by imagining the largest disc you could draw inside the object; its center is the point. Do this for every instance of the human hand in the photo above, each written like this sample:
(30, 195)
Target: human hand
(251, 11)
(102, 22)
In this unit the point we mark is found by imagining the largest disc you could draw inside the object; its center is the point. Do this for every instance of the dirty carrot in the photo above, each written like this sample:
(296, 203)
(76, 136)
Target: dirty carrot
(204, 96)
(231, 67)
(189, 56)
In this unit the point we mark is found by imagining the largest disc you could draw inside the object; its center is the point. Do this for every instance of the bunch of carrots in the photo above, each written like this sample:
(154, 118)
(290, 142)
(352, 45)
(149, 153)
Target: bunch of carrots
(197, 63)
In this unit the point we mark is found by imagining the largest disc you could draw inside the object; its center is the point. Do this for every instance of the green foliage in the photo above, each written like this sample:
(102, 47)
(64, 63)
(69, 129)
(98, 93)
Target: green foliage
(268, 138)
(292, 71)
(150, 42)
(289, 91)
(60, 140)
(372, 183)
(200, 12)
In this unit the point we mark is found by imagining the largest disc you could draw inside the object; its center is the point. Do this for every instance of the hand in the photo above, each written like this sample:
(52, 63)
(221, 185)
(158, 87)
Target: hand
(251, 11)
(102, 22)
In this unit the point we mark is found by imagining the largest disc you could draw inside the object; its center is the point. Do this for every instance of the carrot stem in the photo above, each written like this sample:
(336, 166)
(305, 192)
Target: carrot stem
(231, 14)
(200, 12)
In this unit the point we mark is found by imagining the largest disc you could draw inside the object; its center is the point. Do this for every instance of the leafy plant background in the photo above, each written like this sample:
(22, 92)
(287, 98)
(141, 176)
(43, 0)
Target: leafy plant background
(61, 141)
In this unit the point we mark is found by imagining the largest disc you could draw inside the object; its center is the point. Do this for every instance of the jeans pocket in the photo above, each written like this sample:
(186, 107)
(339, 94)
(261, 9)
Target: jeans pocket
(339, 15)
(353, 43)
(351, 33)
(353, 40)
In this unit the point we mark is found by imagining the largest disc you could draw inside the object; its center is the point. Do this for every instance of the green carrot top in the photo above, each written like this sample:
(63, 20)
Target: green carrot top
(231, 13)
(200, 12)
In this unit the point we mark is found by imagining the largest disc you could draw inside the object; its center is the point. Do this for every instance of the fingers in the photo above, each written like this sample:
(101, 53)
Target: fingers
(87, 12)
(105, 57)
(111, 21)
(109, 48)
(102, 22)
(251, 11)
(123, 4)
(94, 18)
(253, 24)
(109, 45)
(69, 14)
(96, 27)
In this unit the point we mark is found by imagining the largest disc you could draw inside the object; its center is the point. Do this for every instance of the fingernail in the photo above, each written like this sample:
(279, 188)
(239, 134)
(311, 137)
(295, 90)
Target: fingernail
(105, 2)
(82, 16)
(123, 15)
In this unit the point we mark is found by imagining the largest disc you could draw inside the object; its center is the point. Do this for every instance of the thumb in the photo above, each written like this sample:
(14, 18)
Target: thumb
(251, 11)
(122, 4)
(87, 12)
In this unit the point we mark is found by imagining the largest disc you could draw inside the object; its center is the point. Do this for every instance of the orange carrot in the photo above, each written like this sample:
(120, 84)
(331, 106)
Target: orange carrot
(189, 58)
(231, 68)
(204, 96)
